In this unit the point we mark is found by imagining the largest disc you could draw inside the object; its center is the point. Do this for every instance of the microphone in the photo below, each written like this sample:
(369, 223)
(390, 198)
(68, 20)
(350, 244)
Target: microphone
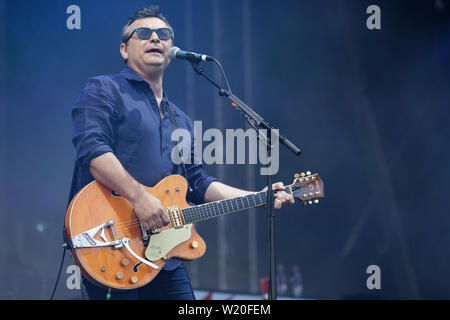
(177, 53)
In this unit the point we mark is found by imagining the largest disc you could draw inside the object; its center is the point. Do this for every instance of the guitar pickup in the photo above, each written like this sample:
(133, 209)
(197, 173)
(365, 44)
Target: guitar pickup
(176, 218)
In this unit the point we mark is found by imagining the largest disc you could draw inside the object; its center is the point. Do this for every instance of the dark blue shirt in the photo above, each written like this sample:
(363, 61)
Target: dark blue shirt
(119, 114)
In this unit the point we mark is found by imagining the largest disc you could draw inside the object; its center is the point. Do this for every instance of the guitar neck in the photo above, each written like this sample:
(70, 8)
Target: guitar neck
(223, 207)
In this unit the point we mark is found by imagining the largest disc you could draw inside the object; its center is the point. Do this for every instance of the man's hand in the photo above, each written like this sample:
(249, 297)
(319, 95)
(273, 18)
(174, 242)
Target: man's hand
(149, 211)
(281, 197)
(219, 191)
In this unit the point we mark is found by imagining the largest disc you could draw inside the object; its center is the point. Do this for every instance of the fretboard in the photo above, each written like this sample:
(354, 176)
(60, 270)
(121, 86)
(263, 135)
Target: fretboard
(219, 208)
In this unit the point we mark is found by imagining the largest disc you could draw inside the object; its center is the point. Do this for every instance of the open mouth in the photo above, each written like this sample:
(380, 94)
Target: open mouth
(154, 51)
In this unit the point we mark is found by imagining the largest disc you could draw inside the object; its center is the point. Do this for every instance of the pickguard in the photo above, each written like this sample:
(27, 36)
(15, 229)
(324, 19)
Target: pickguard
(161, 243)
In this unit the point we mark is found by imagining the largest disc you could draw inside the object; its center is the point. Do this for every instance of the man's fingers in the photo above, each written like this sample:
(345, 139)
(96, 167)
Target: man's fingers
(278, 185)
(277, 204)
(164, 217)
(283, 198)
(281, 195)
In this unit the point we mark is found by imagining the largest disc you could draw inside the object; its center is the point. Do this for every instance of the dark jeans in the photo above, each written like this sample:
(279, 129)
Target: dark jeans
(167, 285)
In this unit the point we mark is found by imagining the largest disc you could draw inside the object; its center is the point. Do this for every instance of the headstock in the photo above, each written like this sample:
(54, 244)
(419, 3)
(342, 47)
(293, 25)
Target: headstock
(307, 187)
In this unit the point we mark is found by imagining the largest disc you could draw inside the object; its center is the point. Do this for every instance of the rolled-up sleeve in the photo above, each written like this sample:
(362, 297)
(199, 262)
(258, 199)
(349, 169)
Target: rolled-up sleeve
(198, 179)
(93, 118)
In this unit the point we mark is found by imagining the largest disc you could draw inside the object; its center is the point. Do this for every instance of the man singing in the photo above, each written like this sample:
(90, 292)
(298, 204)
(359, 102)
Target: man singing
(122, 137)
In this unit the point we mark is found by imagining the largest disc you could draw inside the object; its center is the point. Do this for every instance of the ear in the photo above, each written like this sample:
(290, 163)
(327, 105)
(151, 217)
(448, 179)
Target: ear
(123, 51)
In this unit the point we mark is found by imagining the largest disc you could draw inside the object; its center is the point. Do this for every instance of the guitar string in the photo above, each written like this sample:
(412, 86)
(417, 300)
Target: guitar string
(213, 209)
(207, 210)
(197, 211)
(200, 212)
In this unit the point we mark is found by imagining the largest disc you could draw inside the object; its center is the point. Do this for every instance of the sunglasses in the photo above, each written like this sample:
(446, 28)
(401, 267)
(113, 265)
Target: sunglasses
(146, 33)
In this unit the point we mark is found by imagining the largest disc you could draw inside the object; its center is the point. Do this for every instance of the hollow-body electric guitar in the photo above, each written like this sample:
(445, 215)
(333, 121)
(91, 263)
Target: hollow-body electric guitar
(112, 249)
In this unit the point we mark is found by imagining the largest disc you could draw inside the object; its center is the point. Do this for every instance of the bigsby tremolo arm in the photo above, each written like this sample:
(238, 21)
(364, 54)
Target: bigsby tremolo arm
(125, 243)
(87, 240)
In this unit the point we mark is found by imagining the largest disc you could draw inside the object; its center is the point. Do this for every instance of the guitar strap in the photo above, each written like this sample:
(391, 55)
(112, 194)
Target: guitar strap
(174, 127)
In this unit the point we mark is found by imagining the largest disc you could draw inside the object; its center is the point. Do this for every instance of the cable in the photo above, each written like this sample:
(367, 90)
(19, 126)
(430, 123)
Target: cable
(59, 273)
(223, 74)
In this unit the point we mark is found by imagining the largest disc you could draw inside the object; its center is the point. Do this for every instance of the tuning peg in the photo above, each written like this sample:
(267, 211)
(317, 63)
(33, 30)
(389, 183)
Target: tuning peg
(302, 174)
(316, 201)
(310, 202)
(308, 173)
(296, 175)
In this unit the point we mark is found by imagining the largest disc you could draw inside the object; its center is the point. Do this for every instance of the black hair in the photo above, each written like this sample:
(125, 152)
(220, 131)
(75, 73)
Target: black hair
(150, 11)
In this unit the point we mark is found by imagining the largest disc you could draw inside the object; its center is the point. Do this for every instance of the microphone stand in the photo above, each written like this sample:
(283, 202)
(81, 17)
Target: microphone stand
(257, 122)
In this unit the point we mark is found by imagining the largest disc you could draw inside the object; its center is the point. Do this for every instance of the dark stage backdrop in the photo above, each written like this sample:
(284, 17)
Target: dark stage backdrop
(368, 108)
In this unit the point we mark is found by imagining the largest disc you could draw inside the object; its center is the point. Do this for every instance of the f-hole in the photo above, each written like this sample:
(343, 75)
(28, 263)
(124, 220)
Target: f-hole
(135, 268)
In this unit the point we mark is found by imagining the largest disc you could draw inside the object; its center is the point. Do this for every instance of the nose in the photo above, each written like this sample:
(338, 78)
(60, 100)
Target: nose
(154, 37)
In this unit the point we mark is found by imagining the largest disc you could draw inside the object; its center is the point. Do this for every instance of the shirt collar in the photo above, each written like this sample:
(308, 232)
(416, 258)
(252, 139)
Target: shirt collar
(130, 74)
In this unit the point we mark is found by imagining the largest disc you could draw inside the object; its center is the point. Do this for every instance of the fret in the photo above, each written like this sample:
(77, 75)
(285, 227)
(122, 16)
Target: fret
(209, 210)
(186, 215)
(236, 202)
(197, 213)
(239, 203)
(224, 206)
(232, 204)
(258, 198)
(246, 198)
(253, 204)
(220, 206)
(202, 212)
(216, 207)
